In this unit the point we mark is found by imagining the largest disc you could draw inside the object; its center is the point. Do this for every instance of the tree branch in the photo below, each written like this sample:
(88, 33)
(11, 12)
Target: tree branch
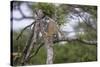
(24, 30)
(79, 40)
(24, 17)
(37, 50)
(22, 13)
(84, 20)
(64, 39)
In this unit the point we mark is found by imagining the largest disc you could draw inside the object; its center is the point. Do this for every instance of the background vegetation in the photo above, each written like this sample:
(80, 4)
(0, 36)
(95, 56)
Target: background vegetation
(63, 53)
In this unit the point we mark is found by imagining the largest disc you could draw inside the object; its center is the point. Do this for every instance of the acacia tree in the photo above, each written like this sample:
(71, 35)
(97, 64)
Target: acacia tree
(58, 14)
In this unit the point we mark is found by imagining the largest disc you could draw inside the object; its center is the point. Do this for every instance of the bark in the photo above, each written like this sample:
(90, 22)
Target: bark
(30, 44)
(49, 49)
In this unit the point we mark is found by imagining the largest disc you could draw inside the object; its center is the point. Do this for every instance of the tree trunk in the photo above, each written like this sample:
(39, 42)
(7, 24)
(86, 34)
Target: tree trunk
(49, 49)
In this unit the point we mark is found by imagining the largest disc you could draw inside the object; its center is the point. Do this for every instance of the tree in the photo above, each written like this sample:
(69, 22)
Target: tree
(58, 13)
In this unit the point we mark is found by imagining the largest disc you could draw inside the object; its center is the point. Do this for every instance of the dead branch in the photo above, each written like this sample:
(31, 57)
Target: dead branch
(24, 30)
(35, 53)
(30, 43)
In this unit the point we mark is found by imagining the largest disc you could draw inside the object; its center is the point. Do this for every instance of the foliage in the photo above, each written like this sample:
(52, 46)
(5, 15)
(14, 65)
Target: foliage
(88, 33)
(47, 8)
(55, 12)
(74, 52)
(69, 52)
